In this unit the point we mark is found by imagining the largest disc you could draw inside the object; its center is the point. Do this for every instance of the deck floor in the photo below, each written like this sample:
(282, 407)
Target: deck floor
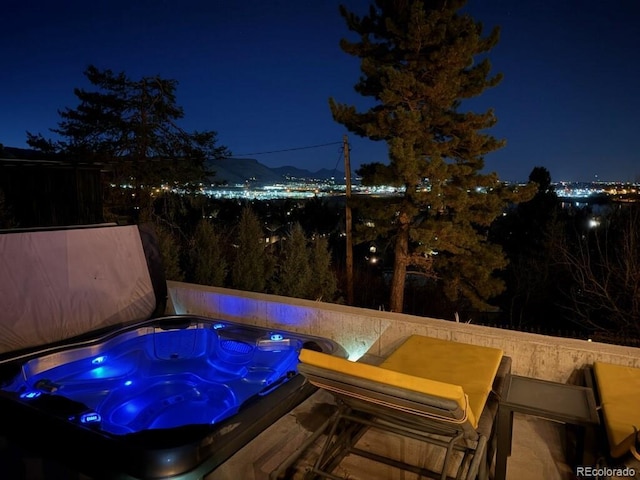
(537, 452)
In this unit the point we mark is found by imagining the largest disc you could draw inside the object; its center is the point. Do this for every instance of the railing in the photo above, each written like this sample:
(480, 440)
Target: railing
(602, 337)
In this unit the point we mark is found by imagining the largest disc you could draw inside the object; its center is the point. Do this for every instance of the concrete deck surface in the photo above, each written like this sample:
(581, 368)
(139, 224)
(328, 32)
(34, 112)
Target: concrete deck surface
(537, 451)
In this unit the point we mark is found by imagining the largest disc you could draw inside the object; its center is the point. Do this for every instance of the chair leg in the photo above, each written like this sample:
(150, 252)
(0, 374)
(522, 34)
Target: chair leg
(338, 444)
(345, 428)
(478, 467)
(447, 456)
(275, 474)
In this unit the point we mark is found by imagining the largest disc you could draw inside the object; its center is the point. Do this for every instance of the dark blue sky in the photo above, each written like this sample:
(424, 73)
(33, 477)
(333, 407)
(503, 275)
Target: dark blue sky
(260, 73)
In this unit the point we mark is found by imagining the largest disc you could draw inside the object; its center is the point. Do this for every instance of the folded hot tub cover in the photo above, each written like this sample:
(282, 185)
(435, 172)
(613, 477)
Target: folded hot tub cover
(58, 284)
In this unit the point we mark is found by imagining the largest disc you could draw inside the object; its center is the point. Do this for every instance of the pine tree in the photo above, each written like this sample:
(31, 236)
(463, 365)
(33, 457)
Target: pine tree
(532, 278)
(418, 63)
(295, 277)
(207, 258)
(131, 126)
(170, 252)
(252, 266)
(324, 284)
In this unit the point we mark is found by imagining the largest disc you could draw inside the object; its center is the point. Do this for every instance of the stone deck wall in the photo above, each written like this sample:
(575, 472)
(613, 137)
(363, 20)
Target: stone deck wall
(377, 333)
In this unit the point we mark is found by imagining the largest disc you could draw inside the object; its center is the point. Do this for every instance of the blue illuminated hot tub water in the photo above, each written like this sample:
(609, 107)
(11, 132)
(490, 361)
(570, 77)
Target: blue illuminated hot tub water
(170, 397)
(155, 378)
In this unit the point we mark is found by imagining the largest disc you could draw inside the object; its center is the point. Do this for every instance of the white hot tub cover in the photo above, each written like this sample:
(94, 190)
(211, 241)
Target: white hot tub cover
(59, 284)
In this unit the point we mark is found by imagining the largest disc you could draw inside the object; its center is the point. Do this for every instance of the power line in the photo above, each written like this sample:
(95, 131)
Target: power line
(340, 152)
(286, 149)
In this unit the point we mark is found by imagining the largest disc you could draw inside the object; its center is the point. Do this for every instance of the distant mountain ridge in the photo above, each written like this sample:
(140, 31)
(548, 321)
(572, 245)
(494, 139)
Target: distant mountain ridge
(21, 153)
(229, 170)
(241, 170)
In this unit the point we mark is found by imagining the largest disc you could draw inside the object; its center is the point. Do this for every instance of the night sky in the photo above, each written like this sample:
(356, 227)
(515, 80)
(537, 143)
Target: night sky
(260, 74)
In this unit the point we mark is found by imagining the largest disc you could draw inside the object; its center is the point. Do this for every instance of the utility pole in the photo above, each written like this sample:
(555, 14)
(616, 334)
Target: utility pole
(349, 259)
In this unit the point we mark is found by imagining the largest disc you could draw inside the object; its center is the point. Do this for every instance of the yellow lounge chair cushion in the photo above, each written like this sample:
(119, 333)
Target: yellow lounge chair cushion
(472, 367)
(619, 389)
(456, 371)
(389, 377)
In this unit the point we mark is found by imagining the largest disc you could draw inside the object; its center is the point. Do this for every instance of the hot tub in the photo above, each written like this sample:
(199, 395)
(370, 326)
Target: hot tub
(171, 397)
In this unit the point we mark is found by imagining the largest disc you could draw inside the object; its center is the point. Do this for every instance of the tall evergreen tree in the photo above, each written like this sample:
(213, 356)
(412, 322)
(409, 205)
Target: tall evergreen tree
(170, 251)
(418, 63)
(207, 258)
(532, 278)
(131, 126)
(294, 278)
(252, 266)
(324, 283)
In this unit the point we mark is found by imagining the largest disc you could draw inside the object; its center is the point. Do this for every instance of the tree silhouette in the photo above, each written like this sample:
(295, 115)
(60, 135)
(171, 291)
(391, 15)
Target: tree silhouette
(252, 266)
(207, 255)
(170, 251)
(131, 127)
(604, 264)
(294, 275)
(542, 177)
(532, 277)
(418, 63)
(304, 267)
(324, 283)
